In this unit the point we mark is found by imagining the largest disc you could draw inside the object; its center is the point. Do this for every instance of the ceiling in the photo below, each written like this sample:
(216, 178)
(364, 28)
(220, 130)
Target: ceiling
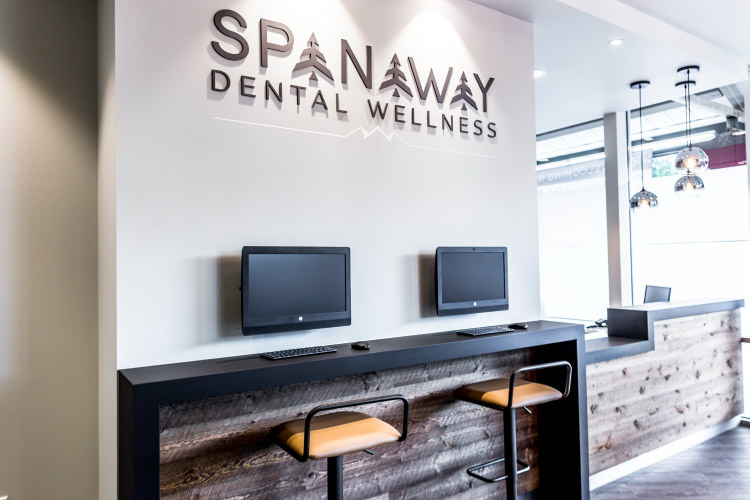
(721, 22)
(587, 78)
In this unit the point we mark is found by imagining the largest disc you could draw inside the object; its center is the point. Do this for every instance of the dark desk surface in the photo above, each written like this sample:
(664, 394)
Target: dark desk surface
(630, 329)
(681, 308)
(214, 377)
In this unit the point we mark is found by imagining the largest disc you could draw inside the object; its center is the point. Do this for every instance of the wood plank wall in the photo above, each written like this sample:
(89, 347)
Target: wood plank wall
(691, 381)
(218, 448)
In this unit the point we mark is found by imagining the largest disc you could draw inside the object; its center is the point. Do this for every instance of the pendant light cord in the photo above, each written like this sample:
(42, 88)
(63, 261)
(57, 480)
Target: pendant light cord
(688, 112)
(687, 126)
(640, 120)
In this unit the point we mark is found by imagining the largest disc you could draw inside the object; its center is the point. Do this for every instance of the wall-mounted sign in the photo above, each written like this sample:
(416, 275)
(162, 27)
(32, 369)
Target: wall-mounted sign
(396, 98)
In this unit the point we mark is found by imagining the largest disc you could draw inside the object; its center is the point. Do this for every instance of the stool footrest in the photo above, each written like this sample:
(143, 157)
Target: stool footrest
(522, 467)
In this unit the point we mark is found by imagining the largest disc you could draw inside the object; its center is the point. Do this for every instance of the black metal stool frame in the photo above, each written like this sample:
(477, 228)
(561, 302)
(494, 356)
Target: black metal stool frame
(512, 469)
(336, 464)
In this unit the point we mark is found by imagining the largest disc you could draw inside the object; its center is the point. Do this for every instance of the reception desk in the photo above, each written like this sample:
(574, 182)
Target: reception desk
(665, 372)
(630, 329)
(200, 428)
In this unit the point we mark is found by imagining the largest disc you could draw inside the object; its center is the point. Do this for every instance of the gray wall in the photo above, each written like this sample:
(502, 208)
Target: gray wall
(48, 250)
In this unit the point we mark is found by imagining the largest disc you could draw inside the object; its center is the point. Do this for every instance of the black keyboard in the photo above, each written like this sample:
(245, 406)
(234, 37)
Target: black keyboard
(293, 353)
(484, 330)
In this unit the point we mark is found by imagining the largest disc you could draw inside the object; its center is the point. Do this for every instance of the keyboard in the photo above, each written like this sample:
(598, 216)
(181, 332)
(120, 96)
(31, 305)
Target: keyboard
(484, 330)
(293, 353)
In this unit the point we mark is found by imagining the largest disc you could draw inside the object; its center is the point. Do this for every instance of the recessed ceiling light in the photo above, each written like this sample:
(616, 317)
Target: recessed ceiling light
(616, 42)
(538, 73)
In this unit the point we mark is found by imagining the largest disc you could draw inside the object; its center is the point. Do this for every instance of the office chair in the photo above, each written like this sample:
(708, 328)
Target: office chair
(657, 294)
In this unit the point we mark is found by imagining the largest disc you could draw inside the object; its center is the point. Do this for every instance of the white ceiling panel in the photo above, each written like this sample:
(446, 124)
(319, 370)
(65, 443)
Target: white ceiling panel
(587, 78)
(721, 22)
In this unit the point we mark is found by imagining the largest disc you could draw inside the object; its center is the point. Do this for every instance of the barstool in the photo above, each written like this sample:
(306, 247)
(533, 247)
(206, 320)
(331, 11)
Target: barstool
(335, 434)
(506, 395)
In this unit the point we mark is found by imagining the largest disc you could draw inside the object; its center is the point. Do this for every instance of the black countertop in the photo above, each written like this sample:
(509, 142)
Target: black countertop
(682, 308)
(219, 376)
(630, 329)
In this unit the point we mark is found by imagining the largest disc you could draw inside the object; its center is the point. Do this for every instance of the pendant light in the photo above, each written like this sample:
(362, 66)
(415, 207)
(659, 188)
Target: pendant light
(691, 158)
(643, 200)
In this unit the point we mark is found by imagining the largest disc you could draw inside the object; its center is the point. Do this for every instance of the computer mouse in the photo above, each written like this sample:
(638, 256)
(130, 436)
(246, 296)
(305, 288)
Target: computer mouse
(518, 326)
(361, 346)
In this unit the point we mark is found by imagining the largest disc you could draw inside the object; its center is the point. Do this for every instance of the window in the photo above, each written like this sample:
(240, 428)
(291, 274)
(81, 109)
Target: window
(699, 246)
(574, 282)
(696, 245)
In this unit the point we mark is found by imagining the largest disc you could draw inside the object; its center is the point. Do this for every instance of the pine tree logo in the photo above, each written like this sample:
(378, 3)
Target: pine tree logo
(395, 77)
(315, 61)
(463, 93)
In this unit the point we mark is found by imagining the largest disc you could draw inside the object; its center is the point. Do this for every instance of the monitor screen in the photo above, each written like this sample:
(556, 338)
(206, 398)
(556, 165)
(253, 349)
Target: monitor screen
(294, 288)
(471, 279)
(473, 276)
(284, 285)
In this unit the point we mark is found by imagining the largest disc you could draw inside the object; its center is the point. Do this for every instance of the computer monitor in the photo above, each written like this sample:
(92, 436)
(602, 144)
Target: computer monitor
(657, 294)
(471, 279)
(295, 288)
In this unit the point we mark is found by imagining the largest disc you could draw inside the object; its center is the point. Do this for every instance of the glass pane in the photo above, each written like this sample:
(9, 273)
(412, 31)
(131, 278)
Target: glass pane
(720, 213)
(698, 245)
(573, 241)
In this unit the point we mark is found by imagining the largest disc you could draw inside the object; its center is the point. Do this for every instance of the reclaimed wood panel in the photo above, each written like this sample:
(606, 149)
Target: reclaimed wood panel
(218, 448)
(691, 381)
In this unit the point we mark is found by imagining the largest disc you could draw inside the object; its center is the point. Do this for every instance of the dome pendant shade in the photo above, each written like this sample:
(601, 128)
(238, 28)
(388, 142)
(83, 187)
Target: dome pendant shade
(689, 184)
(643, 199)
(691, 159)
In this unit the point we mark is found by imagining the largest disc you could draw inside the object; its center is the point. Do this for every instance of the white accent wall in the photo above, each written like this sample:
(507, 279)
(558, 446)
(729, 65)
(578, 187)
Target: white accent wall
(192, 175)
(193, 187)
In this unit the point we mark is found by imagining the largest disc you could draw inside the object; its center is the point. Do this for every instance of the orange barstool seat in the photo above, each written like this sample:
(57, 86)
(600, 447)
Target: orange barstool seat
(494, 393)
(333, 435)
